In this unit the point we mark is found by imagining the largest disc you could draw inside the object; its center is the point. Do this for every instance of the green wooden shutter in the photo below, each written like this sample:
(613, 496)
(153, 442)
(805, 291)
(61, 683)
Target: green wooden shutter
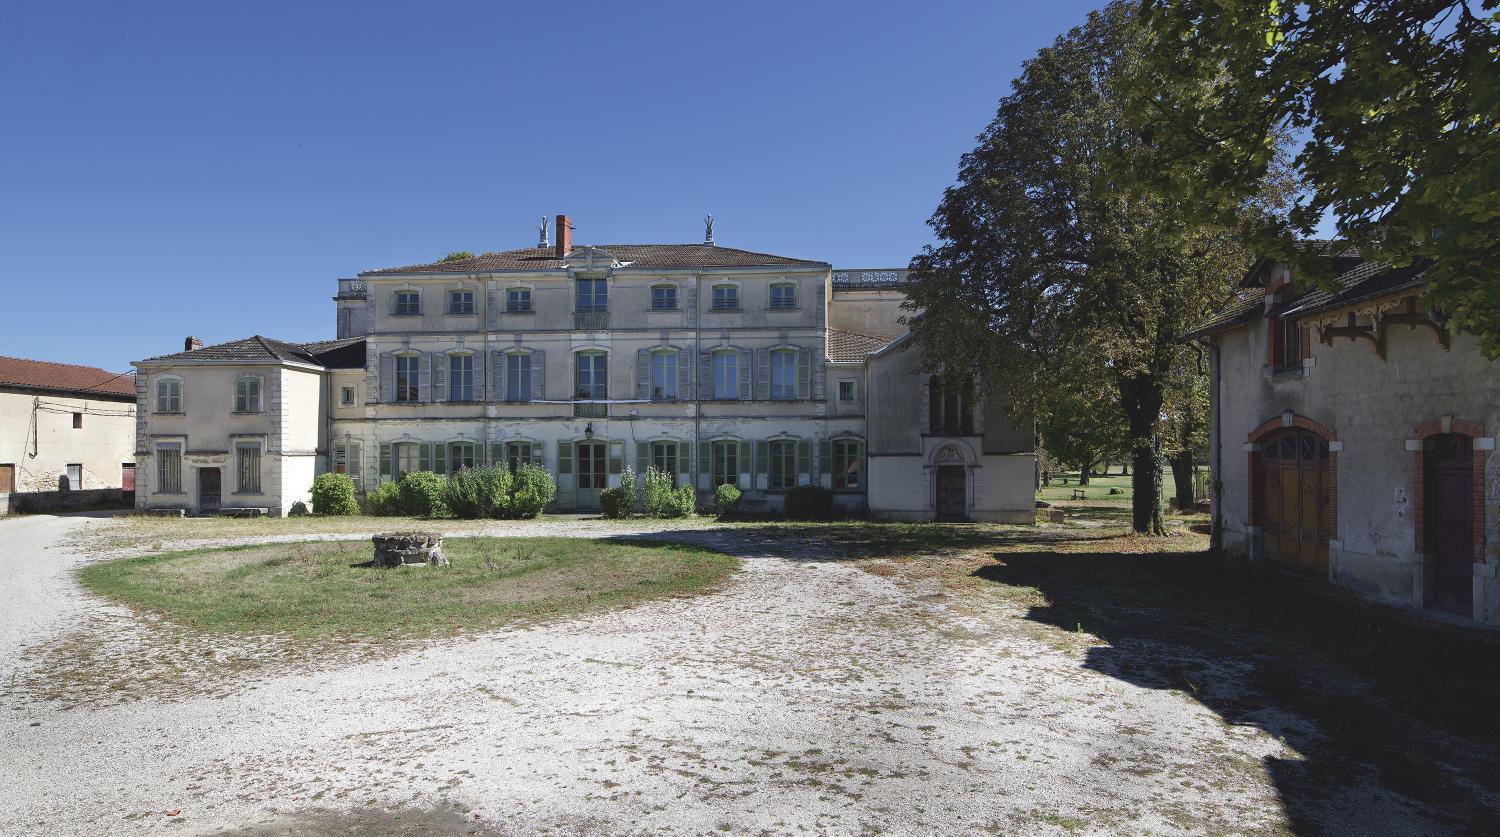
(825, 456)
(385, 463)
(684, 463)
(497, 454)
(642, 457)
(440, 457)
(564, 457)
(616, 456)
(763, 458)
(742, 462)
(804, 458)
(424, 456)
(706, 458)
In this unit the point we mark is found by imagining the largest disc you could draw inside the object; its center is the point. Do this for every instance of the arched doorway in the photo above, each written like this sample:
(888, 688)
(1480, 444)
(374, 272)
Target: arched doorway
(1294, 488)
(950, 483)
(1448, 519)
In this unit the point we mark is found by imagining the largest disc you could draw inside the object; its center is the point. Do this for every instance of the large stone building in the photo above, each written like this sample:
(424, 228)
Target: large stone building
(1353, 437)
(717, 364)
(64, 427)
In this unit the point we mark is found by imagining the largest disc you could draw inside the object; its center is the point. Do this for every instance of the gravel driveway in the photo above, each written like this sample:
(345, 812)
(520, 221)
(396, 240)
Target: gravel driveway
(808, 696)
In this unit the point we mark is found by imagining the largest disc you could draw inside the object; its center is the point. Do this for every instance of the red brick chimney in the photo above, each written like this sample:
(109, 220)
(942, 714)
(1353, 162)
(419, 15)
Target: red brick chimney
(564, 236)
(191, 344)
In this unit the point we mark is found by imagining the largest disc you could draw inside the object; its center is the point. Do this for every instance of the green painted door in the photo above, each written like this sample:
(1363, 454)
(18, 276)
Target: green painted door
(592, 474)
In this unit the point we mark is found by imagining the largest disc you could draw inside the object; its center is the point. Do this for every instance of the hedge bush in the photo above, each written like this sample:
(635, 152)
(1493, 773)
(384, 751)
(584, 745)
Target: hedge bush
(532, 488)
(473, 493)
(630, 489)
(727, 500)
(385, 500)
(422, 494)
(661, 499)
(334, 494)
(613, 503)
(809, 502)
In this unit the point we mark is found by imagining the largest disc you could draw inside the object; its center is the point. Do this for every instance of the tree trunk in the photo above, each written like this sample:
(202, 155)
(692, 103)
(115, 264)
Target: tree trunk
(1182, 478)
(1141, 398)
(1083, 471)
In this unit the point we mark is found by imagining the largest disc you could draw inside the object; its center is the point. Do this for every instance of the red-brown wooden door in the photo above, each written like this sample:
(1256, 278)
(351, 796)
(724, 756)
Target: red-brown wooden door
(952, 496)
(7, 479)
(1448, 515)
(1296, 485)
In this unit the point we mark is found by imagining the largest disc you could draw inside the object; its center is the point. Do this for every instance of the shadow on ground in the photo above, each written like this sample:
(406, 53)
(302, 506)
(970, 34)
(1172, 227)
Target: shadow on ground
(1395, 716)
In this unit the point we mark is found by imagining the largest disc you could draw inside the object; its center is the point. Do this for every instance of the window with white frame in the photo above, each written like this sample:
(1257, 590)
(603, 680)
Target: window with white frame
(346, 461)
(784, 374)
(518, 300)
(247, 468)
(727, 375)
(663, 376)
(593, 295)
(593, 375)
(461, 377)
(346, 396)
(408, 378)
(664, 458)
(846, 390)
(169, 468)
(518, 377)
(408, 303)
(783, 464)
(726, 297)
(406, 457)
(848, 461)
(664, 298)
(461, 302)
(169, 395)
(247, 394)
(460, 456)
(519, 453)
(783, 296)
(726, 463)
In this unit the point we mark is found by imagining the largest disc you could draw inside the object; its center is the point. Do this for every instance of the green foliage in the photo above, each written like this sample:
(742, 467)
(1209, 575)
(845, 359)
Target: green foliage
(1394, 105)
(422, 494)
(458, 256)
(630, 488)
(334, 494)
(809, 502)
(727, 500)
(1083, 425)
(613, 504)
(661, 499)
(474, 493)
(532, 488)
(385, 500)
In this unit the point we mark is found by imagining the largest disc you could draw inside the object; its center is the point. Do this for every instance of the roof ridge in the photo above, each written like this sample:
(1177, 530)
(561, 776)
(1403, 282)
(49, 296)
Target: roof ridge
(60, 363)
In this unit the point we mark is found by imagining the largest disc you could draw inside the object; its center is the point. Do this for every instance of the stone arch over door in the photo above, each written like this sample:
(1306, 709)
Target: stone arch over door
(952, 490)
(1293, 470)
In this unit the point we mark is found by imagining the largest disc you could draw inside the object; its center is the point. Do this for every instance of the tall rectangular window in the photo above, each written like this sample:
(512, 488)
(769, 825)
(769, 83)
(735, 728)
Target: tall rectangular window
(783, 296)
(663, 376)
(847, 463)
(664, 458)
(518, 377)
(408, 303)
(460, 302)
(169, 469)
(518, 300)
(726, 375)
(518, 454)
(169, 395)
(593, 375)
(407, 378)
(783, 470)
(726, 464)
(346, 461)
(460, 456)
(784, 374)
(460, 377)
(406, 457)
(726, 297)
(846, 390)
(247, 469)
(950, 406)
(75, 476)
(664, 298)
(346, 396)
(247, 395)
(593, 295)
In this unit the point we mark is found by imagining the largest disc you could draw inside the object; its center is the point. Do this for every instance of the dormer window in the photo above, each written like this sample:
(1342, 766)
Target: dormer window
(460, 302)
(408, 303)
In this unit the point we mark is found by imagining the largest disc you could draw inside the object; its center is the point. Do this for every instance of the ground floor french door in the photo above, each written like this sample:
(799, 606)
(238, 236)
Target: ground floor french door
(592, 476)
(1448, 516)
(1295, 485)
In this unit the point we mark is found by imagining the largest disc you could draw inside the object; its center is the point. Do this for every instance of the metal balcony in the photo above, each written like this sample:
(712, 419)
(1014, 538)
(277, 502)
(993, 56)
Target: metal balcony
(596, 319)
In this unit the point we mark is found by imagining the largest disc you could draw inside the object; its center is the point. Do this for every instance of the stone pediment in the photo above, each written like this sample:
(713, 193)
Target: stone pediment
(592, 259)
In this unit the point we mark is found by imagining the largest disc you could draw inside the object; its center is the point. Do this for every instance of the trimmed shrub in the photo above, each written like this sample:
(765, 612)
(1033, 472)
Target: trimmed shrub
(687, 501)
(334, 494)
(422, 494)
(385, 500)
(614, 503)
(531, 490)
(298, 509)
(727, 500)
(809, 502)
(630, 489)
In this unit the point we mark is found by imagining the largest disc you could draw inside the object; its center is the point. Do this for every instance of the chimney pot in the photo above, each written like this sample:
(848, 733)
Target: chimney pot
(192, 344)
(564, 236)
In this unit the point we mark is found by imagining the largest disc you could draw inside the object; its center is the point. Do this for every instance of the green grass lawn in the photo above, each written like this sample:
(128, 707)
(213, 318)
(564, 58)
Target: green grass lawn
(1097, 489)
(319, 589)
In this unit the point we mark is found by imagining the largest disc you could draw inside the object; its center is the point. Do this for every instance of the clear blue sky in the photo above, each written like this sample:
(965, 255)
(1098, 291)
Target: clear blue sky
(211, 168)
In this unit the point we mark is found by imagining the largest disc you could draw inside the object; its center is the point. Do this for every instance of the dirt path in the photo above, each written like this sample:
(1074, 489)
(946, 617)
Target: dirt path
(807, 697)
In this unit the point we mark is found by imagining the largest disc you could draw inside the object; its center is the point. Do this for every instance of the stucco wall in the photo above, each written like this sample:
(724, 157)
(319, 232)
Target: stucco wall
(39, 423)
(875, 311)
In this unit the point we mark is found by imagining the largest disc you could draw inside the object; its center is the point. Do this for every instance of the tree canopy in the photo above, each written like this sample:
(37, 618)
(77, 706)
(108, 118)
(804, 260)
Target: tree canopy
(458, 256)
(1394, 104)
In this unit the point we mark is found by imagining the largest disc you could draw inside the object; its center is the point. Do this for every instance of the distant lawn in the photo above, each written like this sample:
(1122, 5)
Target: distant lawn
(317, 589)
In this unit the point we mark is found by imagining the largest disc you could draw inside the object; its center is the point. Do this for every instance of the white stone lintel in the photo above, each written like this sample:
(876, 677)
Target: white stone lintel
(1335, 447)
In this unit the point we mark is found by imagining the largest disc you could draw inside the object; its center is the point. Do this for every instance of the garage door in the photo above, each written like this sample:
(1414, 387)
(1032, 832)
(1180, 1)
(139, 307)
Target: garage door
(1295, 484)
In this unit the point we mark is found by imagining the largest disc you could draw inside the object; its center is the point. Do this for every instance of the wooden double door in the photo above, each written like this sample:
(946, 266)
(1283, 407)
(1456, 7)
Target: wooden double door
(1448, 519)
(1295, 484)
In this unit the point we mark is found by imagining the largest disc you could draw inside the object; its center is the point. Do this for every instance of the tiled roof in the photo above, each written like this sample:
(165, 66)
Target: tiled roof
(638, 255)
(1237, 314)
(336, 353)
(1343, 254)
(850, 346)
(66, 377)
(1368, 281)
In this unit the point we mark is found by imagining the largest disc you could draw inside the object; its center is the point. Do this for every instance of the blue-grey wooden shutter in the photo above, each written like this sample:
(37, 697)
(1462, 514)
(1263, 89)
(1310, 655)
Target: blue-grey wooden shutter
(642, 456)
(684, 376)
(763, 374)
(706, 465)
(616, 456)
(492, 308)
(424, 456)
(440, 376)
(819, 374)
(804, 462)
(763, 462)
(387, 378)
(643, 373)
(706, 374)
(743, 465)
(479, 378)
(538, 376)
(440, 457)
(742, 365)
(804, 373)
(684, 463)
(497, 376)
(825, 456)
(385, 463)
(424, 381)
(564, 457)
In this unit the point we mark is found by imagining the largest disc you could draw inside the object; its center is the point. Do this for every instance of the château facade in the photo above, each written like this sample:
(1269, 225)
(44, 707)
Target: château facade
(715, 364)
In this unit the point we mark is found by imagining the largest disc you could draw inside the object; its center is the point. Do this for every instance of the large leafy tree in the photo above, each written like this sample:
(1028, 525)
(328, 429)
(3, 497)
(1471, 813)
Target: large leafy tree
(1047, 262)
(1083, 426)
(1395, 104)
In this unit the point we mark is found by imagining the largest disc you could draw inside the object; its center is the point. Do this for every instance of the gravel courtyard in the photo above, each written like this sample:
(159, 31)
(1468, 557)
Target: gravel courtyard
(813, 694)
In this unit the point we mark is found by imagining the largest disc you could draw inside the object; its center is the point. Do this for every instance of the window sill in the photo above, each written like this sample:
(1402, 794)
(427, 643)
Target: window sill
(518, 312)
(785, 308)
(247, 412)
(406, 313)
(169, 413)
(718, 310)
(663, 310)
(462, 314)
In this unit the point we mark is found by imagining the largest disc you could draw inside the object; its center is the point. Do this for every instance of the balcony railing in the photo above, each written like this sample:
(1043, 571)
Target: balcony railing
(591, 319)
(590, 410)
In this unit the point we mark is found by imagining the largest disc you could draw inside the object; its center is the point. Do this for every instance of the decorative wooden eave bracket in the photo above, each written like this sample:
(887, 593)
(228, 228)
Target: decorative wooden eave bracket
(1375, 335)
(1383, 315)
(1411, 318)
